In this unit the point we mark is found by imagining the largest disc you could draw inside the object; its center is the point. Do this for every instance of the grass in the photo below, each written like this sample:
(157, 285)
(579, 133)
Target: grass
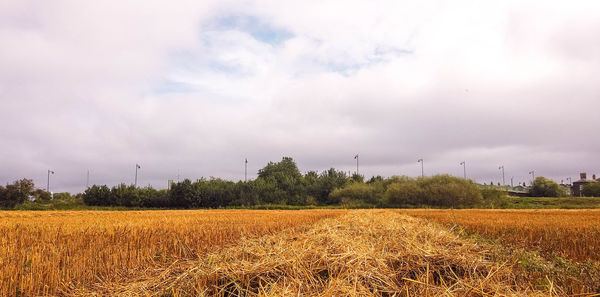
(552, 203)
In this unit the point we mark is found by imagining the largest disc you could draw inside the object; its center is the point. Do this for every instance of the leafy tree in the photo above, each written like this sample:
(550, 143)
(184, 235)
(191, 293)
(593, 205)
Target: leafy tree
(16, 193)
(543, 187)
(591, 190)
(62, 196)
(320, 186)
(41, 196)
(285, 180)
(98, 195)
(182, 194)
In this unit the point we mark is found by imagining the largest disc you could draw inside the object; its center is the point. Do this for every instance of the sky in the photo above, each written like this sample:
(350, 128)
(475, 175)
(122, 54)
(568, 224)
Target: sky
(190, 89)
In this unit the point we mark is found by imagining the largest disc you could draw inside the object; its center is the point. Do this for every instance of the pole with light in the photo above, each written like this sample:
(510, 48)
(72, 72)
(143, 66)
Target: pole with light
(246, 170)
(136, 170)
(532, 172)
(502, 168)
(464, 164)
(48, 184)
(422, 170)
(356, 157)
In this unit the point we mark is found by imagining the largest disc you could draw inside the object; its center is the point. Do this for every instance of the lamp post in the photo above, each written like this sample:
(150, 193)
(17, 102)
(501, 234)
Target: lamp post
(502, 168)
(532, 172)
(464, 164)
(136, 170)
(48, 184)
(422, 171)
(356, 157)
(246, 170)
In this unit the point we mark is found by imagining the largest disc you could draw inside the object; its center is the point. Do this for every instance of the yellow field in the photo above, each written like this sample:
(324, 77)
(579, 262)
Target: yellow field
(290, 253)
(50, 253)
(573, 234)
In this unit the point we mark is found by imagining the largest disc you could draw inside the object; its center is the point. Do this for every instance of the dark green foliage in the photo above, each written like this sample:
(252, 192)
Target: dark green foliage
(16, 193)
(98, 196)
(41, 196)
(320, 186)
(356, 192)
(591, 190)
(543, 187)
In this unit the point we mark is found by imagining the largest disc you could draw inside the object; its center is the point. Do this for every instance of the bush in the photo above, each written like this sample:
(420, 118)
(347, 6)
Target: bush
(403, 193)
(439, 190)
(356, 192)
(494, 198)
(591, 190)
(543, 187)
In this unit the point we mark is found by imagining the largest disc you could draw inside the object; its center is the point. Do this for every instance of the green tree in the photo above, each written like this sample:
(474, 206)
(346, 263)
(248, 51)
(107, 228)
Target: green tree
(98, 195)
(543, 187)
(591, 190)
(16, 193)
(285, 177)
(41, 196)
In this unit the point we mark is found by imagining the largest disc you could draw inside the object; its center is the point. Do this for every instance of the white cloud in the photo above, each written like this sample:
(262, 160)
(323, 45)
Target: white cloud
(108, 85)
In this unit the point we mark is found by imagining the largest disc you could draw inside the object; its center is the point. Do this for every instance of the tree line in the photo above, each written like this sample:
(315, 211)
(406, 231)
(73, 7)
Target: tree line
(281, 183)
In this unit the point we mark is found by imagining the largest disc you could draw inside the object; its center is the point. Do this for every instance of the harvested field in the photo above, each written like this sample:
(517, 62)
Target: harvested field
(363, 253)
(50, 253)
(257, 253)
(572, 234)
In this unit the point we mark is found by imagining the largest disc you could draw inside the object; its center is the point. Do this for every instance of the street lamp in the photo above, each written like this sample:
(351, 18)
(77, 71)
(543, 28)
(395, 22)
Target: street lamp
(136, 170)
(422, 172)
(464, 164)
(246, 170)
(502, 168)
(532, 172)
(48, 185)
(356, 157)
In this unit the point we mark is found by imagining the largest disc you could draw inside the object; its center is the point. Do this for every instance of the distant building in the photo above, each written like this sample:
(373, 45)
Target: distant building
(577, 188)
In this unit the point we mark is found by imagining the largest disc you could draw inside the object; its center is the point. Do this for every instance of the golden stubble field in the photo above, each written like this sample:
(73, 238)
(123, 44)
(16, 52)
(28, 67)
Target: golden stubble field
(52, 252)
(572, 234)
(284, 253)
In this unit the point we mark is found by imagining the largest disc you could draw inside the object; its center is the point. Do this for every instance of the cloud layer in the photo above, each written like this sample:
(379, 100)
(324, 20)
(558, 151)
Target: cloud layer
(192, 88)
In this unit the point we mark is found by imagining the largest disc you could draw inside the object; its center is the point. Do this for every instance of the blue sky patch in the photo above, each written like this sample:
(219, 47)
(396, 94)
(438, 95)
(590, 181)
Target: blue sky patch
(261, 31)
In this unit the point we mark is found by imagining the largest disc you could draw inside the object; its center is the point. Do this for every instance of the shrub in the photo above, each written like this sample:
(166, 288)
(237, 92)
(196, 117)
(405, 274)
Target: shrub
(543, 187)
(356, 192)
(403, 193)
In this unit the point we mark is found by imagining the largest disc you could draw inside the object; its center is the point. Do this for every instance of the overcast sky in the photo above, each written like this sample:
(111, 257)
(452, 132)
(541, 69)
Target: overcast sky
(192, 88)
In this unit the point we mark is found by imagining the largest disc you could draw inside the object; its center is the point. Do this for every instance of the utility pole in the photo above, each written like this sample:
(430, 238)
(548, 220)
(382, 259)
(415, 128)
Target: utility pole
(532, 172)
(48, 184)
(422, 171)
(136, 169)
(511, 181)
(356, 157)
(502, 168)
(463, 163)
(246, 170)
